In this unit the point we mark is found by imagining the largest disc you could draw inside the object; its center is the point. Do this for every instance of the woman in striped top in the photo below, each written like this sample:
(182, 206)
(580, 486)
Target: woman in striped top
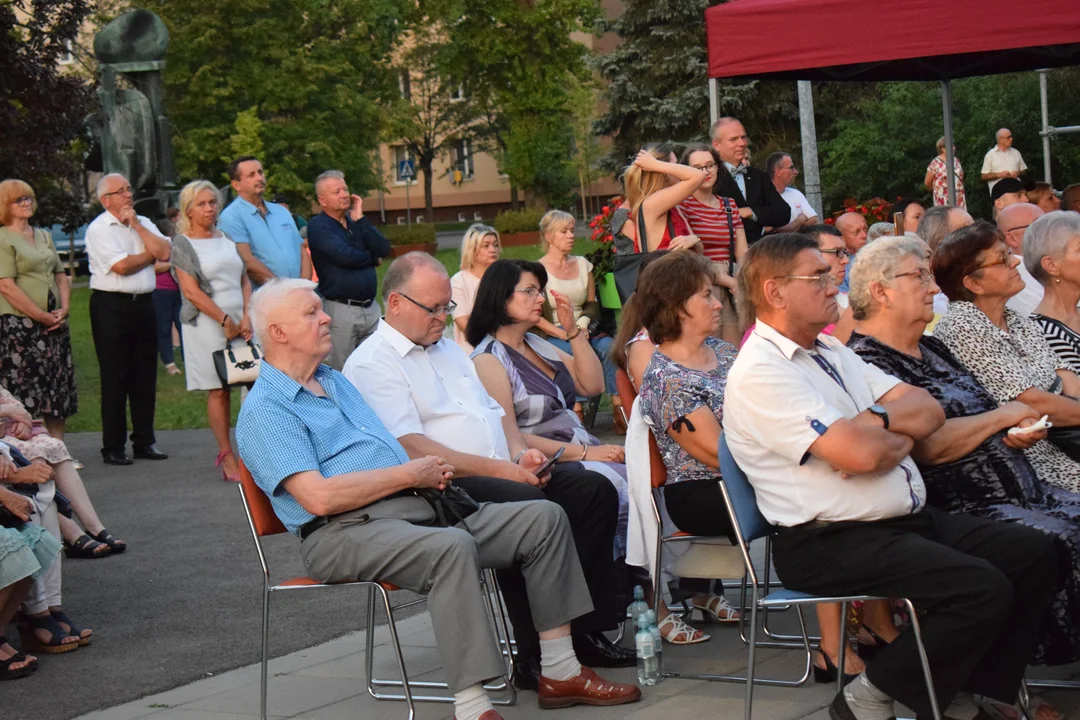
(1052, 256)
(716, 221)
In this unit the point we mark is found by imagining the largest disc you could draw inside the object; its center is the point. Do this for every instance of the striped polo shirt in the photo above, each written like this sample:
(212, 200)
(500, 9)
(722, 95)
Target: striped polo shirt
(711, 225)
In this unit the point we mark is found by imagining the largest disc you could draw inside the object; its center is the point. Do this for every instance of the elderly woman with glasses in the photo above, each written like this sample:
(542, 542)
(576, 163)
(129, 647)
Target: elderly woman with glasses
(971, 464)
(1006, 353)
(1052, 256)
(479, 249)
(35, 299)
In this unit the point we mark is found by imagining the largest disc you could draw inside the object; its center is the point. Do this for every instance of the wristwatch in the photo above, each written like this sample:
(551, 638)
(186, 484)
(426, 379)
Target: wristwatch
(881, 413)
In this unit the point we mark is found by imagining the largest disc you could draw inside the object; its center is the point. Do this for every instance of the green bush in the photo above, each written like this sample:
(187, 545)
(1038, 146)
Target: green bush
(414, 234)
(511, 221)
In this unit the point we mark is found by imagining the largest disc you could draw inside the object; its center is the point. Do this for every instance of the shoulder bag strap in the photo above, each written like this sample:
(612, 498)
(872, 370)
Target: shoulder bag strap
(731, 237)
(642, 241)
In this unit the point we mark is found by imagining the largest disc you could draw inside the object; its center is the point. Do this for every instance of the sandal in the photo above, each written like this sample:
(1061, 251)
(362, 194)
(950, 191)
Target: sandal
(719, 609)
(675, 631)
(117, 546)
(19, 656)
(6, 673)
(55, 644)
(72, 630)
(86, 548)
(218, 464)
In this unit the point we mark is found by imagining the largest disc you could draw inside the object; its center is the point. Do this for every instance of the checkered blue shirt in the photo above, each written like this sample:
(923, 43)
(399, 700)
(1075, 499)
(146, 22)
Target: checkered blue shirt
(284, 429)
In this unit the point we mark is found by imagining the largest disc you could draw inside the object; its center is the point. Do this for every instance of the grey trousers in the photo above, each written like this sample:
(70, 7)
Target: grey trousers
(382, 542)
(350, 325)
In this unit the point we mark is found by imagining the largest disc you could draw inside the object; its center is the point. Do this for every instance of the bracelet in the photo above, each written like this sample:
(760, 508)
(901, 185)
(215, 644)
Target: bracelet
(224, 319)
(518, 456)
(584, 452)
(571, 337)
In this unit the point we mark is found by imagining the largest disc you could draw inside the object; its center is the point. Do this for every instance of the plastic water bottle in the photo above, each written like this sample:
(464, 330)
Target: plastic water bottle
(648, 665)
(650, 620)
(638, 606)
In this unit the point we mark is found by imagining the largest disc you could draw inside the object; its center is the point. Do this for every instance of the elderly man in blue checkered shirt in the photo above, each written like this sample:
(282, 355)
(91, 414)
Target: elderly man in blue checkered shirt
(341, 482)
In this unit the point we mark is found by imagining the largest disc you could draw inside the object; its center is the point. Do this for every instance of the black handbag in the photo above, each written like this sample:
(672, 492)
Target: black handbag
(451, 506)
(1067, 439)
(8, 519)
(627, 267)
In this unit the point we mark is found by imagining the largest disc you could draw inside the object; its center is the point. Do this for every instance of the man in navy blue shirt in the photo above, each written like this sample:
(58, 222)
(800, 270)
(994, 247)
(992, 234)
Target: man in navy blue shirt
(345, 248)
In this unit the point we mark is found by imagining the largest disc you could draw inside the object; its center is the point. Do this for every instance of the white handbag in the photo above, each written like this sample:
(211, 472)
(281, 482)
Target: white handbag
(238, 366)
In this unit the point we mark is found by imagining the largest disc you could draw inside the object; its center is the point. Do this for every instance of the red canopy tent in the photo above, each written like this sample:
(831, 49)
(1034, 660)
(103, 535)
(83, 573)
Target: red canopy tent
(902, 40)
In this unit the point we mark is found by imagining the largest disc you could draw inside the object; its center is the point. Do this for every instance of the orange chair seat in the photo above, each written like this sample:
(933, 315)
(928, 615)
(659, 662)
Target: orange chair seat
(302, 581)
(680, 533)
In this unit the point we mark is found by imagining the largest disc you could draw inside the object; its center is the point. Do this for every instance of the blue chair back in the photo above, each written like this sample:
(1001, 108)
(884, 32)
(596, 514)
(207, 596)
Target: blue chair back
(752, 524)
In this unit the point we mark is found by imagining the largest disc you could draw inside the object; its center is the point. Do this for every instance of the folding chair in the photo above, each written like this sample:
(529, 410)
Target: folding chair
(750, 525)
(263, 522)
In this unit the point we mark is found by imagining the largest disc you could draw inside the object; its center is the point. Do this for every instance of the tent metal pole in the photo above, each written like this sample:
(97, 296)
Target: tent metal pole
(714, 101)
(1045, 104)
(811, 174)
(950, 162)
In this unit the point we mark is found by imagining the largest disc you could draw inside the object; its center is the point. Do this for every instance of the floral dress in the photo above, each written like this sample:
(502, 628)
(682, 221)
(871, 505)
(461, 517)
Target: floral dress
(993, 481)
(41, 445)
(1007, 364)
(941, 185)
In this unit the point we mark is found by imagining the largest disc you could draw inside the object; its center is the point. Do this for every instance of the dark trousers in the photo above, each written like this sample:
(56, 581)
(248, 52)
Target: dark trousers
(124, 332)
(697, 507)
(981, 589)
(591, 504)
(167, 312)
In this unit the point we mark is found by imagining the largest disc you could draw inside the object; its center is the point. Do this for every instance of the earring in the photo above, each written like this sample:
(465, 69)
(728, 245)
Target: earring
(1057, 280)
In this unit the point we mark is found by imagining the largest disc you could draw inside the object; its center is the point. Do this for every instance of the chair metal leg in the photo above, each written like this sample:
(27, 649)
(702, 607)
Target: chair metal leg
(842, 664)
(923, 659)
(751, 657)
(265, 648)
(397, 651)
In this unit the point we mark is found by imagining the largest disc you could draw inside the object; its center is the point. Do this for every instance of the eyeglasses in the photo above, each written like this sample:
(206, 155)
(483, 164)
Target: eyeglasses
(121, 191)
(710, 167)
(530, 292)
(925, 276)
(24, 200)
(432, 311)
(822, 280)
(1004, 259)
(840, 253)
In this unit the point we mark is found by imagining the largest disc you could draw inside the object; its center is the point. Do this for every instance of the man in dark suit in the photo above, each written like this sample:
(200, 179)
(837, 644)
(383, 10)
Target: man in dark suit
(760, 205)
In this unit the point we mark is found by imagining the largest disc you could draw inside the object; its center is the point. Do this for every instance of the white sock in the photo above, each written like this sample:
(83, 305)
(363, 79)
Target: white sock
(471, 703)
(866, 701)
(557, 659)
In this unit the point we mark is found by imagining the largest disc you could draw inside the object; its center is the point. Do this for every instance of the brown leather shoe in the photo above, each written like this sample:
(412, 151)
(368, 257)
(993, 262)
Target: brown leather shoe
(488, 715)
(587, 688)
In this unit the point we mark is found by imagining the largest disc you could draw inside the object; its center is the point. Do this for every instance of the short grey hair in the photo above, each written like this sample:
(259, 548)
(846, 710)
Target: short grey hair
(401, 271)
(102, 183)
(934, 225)
(328, 175)
(879, 230)
(878, 263)
(266, 299)
(1049, 237)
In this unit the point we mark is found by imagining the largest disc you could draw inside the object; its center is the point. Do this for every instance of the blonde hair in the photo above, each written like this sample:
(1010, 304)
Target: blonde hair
(10, 191)
(187, 200)
(553, 220)
(474, 238)
(640, 184)
(941, 143)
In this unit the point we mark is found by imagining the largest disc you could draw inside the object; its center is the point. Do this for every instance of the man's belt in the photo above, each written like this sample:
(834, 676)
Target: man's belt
(312, 525)
(129, 296)
(354, 303)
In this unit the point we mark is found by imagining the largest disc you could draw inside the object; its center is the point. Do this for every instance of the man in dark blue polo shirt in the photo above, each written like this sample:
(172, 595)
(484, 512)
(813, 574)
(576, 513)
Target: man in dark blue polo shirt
(345, 248)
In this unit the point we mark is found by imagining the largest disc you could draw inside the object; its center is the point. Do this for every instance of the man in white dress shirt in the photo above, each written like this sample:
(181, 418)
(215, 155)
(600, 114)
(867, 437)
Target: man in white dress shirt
(122, 247)
(826, 441)
(1003, 160)
(426, 391)
(1013, 221)
(781, 168)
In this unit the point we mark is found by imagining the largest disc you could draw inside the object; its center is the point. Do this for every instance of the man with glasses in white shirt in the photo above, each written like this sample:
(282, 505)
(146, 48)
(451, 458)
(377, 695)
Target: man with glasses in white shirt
(826, 441)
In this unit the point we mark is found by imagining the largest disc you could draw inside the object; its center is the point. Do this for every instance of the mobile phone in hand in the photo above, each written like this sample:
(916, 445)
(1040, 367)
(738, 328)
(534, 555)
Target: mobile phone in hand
(543, 469)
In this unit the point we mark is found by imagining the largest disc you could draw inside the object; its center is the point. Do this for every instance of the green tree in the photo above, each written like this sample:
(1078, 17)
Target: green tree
(658, 78)
(302, 79)
(42, 108)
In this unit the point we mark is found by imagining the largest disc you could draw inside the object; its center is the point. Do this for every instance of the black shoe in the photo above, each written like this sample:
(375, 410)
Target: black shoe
(594, 650)
(115, 457)
(527, 671)
(827, 674)
(150, 452)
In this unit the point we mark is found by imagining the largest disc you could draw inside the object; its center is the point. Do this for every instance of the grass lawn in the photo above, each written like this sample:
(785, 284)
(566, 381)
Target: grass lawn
(178, 409)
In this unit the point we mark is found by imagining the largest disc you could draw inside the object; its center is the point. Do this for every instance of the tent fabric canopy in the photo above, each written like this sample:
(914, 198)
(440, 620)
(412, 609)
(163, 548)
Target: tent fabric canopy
(904, 40)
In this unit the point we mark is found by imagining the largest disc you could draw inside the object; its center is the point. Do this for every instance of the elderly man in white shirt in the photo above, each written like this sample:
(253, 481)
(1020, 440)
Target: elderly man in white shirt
(826, 440)
(1013, 222)
(426, 391)
(782, 171)
(1002, 160)
(122, 247)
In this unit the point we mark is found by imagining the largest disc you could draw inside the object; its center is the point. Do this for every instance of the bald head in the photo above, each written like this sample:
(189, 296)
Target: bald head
(853, 227)
(1004, 138)
(1013, 220)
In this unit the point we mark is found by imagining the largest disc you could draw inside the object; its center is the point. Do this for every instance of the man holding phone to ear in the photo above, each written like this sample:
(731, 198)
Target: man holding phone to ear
(425, 390)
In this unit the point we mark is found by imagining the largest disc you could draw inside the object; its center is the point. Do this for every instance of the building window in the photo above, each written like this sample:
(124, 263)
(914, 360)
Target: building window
(67, 57)
(401, 153)
(458, 94)
(461, 159)
(404, 86)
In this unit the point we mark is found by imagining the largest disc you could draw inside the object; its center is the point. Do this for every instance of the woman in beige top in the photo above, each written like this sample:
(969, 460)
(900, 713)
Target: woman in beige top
(571, 275)
(35, 298)
(479, 249)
